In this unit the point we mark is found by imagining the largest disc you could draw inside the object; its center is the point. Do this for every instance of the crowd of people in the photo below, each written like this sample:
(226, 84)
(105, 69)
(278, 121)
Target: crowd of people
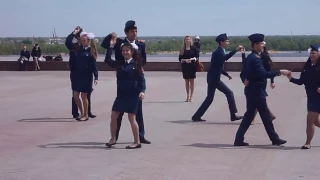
(130, 58)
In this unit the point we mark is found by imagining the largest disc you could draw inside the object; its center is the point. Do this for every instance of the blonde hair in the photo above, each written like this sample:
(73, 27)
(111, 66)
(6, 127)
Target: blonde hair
(183, 47)
(94, 51)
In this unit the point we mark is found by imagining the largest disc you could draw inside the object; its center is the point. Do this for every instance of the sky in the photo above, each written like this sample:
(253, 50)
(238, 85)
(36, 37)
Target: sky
(27, 18)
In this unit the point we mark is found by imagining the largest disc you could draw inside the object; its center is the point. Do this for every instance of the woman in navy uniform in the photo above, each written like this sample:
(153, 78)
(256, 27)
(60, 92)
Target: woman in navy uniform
(73, 45)
(130, 89)
(256, 74)
(188, 56)
(267, 64)
(310, 77)
(84, 69)
(131, 31)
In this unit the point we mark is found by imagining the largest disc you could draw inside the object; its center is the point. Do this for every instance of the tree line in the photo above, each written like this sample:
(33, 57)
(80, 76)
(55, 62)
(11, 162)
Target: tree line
(158, 45)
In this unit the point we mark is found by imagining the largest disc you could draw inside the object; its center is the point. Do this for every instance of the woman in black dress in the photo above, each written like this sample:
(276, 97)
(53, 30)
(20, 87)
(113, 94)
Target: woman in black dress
(188, 57)
(130, 89)
(36, 54)
(85, 70)
(310, 77)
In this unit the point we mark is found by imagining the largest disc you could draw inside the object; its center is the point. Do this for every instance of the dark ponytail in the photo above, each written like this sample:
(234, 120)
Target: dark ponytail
(138, 63)
(266, 56)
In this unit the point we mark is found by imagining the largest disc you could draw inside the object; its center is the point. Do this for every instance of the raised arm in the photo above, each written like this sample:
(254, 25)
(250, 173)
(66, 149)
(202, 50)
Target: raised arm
(261, 72)
(69, 43)
(228, 56)
(108, 59)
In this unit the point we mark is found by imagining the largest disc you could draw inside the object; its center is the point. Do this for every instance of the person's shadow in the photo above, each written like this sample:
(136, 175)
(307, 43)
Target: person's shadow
(231, 146)
(186, 122)
(79, 145)
(48, 119)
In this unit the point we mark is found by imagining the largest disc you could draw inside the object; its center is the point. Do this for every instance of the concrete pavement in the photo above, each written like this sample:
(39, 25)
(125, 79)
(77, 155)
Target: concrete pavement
(39, 141)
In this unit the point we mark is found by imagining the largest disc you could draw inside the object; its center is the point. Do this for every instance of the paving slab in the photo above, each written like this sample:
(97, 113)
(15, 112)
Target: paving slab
(40, 141)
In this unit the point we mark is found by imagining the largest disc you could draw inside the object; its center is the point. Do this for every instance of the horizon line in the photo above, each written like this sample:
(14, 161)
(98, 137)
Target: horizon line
(156, 36)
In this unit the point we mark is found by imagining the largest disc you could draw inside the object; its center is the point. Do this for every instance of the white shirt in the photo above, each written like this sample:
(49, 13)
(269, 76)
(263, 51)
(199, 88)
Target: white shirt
(134, 41)
(129, 60)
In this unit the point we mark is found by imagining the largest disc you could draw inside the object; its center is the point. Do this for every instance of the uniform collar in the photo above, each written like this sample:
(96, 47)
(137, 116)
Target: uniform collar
(134, 41)
(129, 61)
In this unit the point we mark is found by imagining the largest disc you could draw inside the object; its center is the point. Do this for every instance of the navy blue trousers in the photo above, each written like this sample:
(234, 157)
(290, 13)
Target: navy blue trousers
(210, 96)
(139, 119)
(256, 100)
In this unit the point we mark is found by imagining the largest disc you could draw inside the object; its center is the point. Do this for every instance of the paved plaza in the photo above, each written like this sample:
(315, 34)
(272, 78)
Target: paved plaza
(40, 141)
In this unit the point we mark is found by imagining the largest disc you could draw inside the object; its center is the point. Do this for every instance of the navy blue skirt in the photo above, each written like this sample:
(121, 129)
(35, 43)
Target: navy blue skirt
(313, 105)
(127, 104)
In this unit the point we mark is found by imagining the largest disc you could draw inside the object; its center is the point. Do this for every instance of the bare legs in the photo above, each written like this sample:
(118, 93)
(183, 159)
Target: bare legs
(82, 104)
(134, 127)
(36, 64)
(189, 84)
(312, 120)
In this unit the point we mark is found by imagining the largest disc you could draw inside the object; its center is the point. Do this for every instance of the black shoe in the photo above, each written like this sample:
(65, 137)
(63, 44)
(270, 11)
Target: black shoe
(306, 147)
(236, 118)
(197, 119)
(92, 116)
(134, 147)
(279, 142)
(109, 145)
(144, 140)
(240, 143)
(75, 116)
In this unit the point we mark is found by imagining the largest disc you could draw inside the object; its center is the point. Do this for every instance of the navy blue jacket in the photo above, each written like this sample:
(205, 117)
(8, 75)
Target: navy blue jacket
(265, 64)
(254, 71)
(218, 58)
(117, 48)
(128, 80)
(310, 77)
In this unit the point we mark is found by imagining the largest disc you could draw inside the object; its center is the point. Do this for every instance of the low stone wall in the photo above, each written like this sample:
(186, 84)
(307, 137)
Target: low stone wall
(150, 66)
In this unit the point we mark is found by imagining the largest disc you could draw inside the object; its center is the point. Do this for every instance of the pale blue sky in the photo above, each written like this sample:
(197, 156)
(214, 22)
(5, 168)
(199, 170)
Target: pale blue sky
(160, 17)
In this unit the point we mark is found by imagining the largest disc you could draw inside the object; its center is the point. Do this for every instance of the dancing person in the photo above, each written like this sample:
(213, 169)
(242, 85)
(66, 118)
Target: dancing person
(218, 58)
(131, 32)
(310, 78)
(73, 45)
(130, 89)
(255, 94)
(84, 72)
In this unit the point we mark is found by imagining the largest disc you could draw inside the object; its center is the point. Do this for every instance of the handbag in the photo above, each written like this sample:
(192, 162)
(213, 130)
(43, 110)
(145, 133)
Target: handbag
(200, 66)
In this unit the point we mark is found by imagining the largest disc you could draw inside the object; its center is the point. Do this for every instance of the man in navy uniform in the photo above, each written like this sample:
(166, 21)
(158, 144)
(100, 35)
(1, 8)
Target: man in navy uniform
(254, 75)
(218, 58)
(131, 34)
(75, 35)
